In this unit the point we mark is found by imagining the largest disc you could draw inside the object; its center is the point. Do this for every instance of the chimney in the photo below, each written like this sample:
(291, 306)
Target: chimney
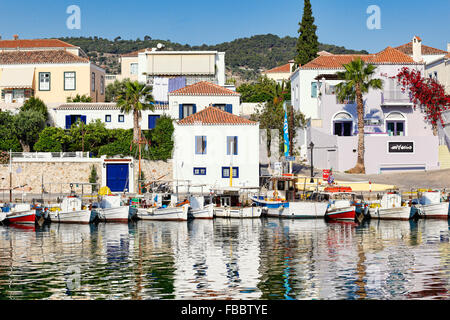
(417, 49)
(16, 37)
(291, 64)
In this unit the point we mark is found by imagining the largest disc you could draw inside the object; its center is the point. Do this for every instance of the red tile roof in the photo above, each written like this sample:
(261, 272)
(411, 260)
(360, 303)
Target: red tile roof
(336, 61)
(34, 43)
(426, 50)
(215, 116)
(281, 69)
(203, 88)
(38, 57)
(391, 56)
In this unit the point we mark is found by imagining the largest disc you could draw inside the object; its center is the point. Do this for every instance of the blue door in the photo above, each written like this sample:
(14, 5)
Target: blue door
(152, 121)
(117, 177)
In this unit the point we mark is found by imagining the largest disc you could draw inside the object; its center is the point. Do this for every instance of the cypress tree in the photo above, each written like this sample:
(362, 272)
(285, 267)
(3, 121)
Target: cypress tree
(307, 44)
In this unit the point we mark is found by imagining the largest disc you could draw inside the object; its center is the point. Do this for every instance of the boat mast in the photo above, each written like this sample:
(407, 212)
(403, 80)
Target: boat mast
(10, 176)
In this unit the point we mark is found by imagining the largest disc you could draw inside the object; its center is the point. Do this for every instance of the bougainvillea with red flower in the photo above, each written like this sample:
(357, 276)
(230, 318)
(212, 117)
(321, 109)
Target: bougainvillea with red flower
(425, 92)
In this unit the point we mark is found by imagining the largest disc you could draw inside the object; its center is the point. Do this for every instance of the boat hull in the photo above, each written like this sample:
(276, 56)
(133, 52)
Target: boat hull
(206, 213)
(434, 211)
(397, 213)
(239, 213)
(300, 210)
(28, 217)
(2, 216)
(164, 214)
(82, 217)
(120, 214)
(343, 214)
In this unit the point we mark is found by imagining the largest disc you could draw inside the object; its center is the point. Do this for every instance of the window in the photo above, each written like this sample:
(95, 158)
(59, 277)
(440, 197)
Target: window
(188, 109)
(220, 106)
(343, 125)
(93, 81)
(102, 85)
(435, 75)
(297, 92)
(69, 80)
(232, 145)
(44, 81)
(200, 145)
(395, 124)
(199, 171)
(226, 172)
(133, 68)
(108, 118)
(313, 89)
(121, 118)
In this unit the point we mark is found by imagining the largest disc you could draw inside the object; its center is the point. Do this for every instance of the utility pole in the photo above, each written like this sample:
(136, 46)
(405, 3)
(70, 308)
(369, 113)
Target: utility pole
(10, 176)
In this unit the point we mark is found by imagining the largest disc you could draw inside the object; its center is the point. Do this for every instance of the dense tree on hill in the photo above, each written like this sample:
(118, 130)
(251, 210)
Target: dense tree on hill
(245, 57)
(308, 43)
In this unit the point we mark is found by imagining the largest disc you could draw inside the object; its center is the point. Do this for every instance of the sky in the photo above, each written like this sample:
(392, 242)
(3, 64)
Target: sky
(197, 22)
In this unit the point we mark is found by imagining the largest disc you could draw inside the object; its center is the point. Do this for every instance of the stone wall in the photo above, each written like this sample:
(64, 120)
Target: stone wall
(56, 177)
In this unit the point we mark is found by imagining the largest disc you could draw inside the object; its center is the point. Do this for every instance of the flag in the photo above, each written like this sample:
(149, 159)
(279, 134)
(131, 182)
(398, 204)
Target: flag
(286, 133)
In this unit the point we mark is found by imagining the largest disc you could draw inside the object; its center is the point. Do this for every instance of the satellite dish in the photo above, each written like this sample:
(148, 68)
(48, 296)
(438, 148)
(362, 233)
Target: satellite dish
(160, 46)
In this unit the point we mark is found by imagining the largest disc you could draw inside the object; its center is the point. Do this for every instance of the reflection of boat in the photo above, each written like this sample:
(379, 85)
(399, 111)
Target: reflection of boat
(391, 207)
(429, 205)
(112, 209)
(25, 227)
(201, 208)
(70, 211)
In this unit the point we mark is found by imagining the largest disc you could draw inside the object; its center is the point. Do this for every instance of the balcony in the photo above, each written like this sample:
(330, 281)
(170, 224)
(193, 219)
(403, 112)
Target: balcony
(396, 97)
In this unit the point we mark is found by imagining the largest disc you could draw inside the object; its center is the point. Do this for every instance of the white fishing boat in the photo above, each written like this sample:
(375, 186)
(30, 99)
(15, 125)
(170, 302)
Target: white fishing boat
(200, 208)
(301, 210)
(165, 208)
(2, 216)
(228, 205)
(71, 210)
(113, 209)
(430, 205)
(391, 207)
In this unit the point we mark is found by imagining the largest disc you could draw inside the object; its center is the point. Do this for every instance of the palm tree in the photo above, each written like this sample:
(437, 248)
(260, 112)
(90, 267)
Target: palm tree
(357, 81)
(135, 97)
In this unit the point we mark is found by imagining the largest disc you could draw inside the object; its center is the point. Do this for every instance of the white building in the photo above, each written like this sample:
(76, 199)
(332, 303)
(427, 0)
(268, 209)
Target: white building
(67, 114)
(196, 97)
(209, 143)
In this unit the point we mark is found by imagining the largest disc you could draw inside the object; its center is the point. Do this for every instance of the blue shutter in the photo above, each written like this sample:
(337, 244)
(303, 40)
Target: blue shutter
(68, 123)
(236, 151)
(194, 109)
(181, 112)
(314, 90)
(152, 119)
(229, 108)
(83, 119)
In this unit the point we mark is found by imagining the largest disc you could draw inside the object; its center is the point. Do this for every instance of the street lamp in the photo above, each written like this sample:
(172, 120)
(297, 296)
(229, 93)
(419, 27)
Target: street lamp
(311, 145)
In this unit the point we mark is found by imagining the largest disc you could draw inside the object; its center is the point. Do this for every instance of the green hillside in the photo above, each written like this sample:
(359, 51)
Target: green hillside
(245, 57)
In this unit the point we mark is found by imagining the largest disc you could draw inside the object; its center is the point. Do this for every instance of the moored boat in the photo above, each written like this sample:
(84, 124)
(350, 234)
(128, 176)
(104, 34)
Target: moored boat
(200, 208)
(391, 207)
(21, 213)
(430, 205)
(165, 208)
(71, 210)
(341, 207)
(228, 204)
(113, 209)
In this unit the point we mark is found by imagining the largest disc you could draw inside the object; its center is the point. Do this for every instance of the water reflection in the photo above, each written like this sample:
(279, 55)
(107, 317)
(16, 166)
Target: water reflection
(227, 259)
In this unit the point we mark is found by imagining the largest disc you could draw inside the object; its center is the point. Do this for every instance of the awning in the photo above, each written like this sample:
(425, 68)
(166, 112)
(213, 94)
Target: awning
(17, 78)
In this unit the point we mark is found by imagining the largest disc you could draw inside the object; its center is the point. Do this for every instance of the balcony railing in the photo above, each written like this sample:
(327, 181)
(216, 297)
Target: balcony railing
(395, 96)
(49, 155)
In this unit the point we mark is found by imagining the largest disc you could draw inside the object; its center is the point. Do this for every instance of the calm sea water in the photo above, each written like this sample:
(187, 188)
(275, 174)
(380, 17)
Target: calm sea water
(223, 259)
